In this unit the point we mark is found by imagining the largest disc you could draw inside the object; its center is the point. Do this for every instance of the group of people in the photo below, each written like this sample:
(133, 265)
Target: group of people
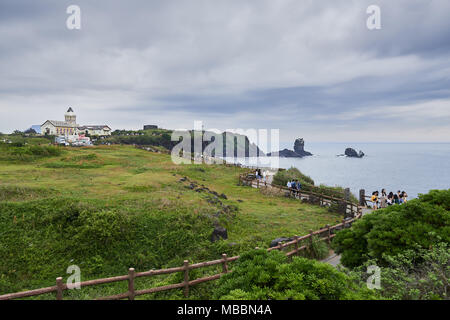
(261, 175)
(294, 184)
(384, 199)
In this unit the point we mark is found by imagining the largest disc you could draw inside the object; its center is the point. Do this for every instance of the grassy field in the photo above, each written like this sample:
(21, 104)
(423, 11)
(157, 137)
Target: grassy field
(108, 208)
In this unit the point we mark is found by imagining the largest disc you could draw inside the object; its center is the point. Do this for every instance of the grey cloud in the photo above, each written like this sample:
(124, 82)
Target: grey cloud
(252, 63)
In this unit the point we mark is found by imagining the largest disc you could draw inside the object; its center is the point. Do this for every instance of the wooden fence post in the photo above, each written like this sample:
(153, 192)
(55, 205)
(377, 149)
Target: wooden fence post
(347, 199)
(131, 275)
(362, 197)
(296, 245)
(329, 234)
(186, 278)
(59, 288)
(310, 238)
(224, 264)
(347, 194)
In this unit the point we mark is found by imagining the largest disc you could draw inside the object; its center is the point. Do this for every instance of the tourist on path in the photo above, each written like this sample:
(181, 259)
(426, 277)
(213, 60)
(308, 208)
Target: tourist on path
(383, 199)
(374, 200)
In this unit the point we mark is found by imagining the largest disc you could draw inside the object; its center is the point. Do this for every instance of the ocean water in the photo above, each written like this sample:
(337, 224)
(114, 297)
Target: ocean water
(411, 167)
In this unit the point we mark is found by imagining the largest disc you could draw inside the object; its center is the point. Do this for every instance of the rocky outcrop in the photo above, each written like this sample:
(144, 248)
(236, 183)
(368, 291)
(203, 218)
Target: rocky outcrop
(350, 152)
(219, 233)
(299, 148)
(285, 153)
(299, 151)
(277, 241)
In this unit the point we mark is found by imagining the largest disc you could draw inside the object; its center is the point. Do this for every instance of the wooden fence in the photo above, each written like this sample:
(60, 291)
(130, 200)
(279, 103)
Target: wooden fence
(290, 248)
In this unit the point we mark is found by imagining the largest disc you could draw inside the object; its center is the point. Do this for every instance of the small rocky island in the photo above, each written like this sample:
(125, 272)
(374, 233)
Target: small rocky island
(350, 152)
(299, 151)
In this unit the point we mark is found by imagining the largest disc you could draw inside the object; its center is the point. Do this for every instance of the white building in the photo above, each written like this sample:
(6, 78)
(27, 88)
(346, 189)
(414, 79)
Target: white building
(70, 127)
(95, 130)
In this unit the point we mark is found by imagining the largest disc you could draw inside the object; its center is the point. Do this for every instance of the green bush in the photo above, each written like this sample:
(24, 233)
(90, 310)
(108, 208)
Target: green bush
(18, 151)
(317, 250)
(283, 176)
(424, 221)
(438, 198)
(415, 274)
(262, 275)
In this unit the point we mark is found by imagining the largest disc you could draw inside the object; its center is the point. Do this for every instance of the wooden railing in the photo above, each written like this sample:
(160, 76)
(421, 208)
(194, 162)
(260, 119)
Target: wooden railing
(290, 248)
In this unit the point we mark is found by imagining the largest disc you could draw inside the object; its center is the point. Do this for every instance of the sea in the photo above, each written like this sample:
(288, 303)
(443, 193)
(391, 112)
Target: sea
(412, 167)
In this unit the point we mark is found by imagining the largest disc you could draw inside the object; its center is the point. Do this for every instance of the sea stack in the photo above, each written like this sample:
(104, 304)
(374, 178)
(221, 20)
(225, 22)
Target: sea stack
(350, 152)
(299, 151)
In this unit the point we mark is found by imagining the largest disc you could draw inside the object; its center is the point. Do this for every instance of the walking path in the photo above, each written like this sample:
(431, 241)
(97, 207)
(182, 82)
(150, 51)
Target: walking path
(335, 259)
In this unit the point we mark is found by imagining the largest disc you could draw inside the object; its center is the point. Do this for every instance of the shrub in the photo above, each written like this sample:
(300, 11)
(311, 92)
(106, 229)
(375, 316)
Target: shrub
(283, 176)
(317, 250)
(18, 151)
(263, 275)
(423, 221)
(101, 228)
(438, 198)
(415, 274)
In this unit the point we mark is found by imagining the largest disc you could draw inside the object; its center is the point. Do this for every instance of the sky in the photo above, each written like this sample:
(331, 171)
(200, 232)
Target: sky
(310, 68)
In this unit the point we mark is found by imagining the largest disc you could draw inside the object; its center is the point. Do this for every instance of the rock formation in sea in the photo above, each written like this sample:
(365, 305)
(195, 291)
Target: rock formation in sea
(299, 151)
(350, 152)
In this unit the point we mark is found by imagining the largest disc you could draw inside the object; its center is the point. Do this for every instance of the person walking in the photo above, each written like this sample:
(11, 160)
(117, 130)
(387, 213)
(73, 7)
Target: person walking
(404, 196)
(374, 200)
(383, 198)
(289, 184)
(396, 199)
(390, 199)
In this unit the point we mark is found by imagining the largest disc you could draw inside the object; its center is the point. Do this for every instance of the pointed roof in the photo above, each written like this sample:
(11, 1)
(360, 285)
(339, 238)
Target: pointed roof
(70, 109)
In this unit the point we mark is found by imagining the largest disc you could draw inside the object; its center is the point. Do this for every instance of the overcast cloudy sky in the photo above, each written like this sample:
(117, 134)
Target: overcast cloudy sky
(308, 67)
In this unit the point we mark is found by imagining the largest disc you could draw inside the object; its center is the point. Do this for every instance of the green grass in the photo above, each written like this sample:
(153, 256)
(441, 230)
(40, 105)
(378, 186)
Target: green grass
(108, 208)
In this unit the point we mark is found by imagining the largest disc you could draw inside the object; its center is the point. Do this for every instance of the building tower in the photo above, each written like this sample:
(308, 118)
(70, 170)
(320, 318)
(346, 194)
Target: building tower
(70, 116)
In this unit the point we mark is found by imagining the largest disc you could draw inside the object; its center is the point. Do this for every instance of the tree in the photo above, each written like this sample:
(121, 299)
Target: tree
(424, 221)
(414, 274)
(30, 131)
(263, 275)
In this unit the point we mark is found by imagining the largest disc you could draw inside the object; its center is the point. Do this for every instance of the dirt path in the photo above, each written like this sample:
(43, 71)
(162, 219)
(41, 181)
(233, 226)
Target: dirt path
(335, 259)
